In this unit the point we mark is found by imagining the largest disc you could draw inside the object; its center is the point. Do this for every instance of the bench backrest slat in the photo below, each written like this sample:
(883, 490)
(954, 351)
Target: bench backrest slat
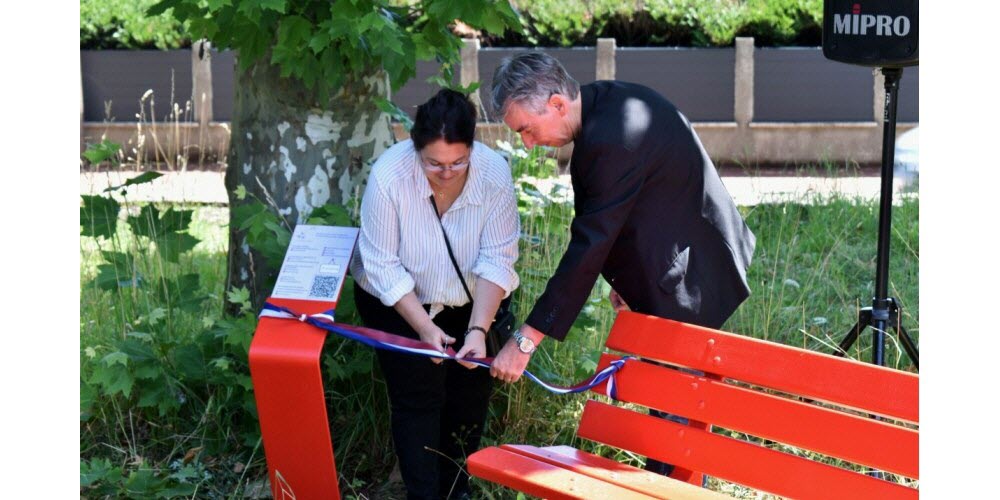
(731, 459)
(850, 383)
(824, 430)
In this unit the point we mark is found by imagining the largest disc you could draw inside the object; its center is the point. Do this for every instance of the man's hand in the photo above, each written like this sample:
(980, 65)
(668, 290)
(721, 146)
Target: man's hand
(510, 362)
(474, 347)
(616, 301)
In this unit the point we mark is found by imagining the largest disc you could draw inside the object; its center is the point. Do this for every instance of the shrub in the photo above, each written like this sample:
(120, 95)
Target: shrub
(123, 24)
(698, 23)
(120, 24)
(783, 22)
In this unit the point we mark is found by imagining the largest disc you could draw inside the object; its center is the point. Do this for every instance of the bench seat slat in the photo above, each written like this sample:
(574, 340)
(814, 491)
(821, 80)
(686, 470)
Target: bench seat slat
(863, 386)
(542, 479)
(730, 459)
(610, 471)
(861, 440)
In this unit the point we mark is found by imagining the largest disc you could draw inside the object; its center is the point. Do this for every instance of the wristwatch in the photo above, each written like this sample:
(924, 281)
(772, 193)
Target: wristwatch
(524, 344)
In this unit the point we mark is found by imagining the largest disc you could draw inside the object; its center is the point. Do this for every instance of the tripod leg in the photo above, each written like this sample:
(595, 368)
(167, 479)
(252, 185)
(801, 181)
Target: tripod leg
(896, 318)
(909, 346)
(864, 319)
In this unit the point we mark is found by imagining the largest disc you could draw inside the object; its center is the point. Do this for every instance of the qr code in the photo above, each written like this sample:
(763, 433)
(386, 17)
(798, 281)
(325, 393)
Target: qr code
(324, 287)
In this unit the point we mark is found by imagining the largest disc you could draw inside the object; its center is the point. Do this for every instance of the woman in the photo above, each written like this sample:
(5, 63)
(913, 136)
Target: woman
(406, 283)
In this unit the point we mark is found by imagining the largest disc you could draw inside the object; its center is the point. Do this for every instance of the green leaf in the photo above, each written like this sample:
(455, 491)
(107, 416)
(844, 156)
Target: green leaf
(221, 364)
(293, 33)
(173, 221)
(240, 296)
(156, 315)
(142, 483)
(124, 263)
(241, 192)
(116, 357)
(139, 179)
(239, 332)
(170, 246)
(109, 278)
(189, 362)
(106, 150)
(164, 230)
(148, 371)
(331, 214)
(493, 24)
(267, 236)
(98, 470)
(153, 395)
(387, 106)
(186, 473)
(245, 381)
(113, 379)
(206, 27)
(214, 5)
(146, 223)
(424, 46)
(468, 89)
(99, 216)
(142, 336)
(178, 490)
(183, 292)
(275, 5)
(246, 215)
(320, 41)
(119, 272)
(161, 7)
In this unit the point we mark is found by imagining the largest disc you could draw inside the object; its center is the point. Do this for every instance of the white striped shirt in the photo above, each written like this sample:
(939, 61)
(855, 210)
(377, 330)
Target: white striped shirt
(400, 247)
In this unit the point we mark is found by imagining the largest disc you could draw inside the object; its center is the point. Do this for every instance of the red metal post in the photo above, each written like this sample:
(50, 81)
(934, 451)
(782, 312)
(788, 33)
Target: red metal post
(288, 387)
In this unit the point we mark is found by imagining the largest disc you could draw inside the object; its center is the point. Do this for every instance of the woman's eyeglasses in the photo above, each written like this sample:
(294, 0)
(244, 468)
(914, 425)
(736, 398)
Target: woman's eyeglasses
(458, 165)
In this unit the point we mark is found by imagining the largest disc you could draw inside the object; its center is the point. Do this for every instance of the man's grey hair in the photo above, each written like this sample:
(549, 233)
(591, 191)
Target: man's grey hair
(530, 78)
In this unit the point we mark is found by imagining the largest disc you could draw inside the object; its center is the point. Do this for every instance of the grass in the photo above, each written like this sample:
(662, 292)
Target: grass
(813, 267)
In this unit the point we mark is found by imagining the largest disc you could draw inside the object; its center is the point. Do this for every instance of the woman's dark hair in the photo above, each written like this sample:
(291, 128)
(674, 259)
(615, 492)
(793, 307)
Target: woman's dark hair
(449, 115)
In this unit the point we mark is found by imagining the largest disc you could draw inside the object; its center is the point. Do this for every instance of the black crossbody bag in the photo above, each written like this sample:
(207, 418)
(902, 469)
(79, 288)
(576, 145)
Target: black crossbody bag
(503, 323)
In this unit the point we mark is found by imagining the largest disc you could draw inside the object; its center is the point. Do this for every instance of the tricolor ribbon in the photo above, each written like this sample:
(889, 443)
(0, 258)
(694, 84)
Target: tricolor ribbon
(390, 342)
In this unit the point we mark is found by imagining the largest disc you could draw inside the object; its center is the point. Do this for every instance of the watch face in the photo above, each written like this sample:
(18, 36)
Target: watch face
(526, 345)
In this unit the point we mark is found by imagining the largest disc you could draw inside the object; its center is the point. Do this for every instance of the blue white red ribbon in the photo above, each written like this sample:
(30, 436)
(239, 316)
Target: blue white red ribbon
(390, 342)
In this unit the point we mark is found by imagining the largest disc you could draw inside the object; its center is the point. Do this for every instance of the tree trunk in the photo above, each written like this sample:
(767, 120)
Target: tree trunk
(296, 155)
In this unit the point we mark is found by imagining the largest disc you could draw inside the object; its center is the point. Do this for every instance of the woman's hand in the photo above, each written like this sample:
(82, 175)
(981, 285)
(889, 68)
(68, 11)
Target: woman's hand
(435, 336)
(475, 347)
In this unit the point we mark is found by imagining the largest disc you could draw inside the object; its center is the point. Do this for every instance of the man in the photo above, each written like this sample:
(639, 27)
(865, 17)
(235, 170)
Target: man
(652, 215)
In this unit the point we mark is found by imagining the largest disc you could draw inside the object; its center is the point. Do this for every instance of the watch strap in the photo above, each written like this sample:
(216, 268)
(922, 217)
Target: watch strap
(476, 328)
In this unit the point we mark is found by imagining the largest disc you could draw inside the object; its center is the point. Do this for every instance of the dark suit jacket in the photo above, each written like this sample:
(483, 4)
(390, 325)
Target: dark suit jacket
(652, 216)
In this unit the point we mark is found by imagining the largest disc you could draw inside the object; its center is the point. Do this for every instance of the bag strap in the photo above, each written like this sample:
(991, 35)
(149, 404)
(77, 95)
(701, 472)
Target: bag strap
(450, 253)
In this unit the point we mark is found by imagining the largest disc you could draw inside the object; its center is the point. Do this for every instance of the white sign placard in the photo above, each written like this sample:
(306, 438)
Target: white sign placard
(316, 263)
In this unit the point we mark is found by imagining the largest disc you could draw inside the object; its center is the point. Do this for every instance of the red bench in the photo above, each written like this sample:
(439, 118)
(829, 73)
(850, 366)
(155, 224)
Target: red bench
(793, 400)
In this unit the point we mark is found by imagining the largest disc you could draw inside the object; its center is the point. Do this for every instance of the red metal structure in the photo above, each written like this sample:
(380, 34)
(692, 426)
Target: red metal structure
(288, 386)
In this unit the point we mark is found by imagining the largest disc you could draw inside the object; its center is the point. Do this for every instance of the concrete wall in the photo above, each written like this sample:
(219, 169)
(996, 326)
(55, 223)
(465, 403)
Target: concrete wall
(749, 105)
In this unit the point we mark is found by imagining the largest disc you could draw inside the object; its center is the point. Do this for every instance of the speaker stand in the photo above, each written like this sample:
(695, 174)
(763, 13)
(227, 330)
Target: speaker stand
(885, 312)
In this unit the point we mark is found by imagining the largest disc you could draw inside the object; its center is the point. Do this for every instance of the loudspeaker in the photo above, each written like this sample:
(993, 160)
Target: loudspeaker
(877, 33)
